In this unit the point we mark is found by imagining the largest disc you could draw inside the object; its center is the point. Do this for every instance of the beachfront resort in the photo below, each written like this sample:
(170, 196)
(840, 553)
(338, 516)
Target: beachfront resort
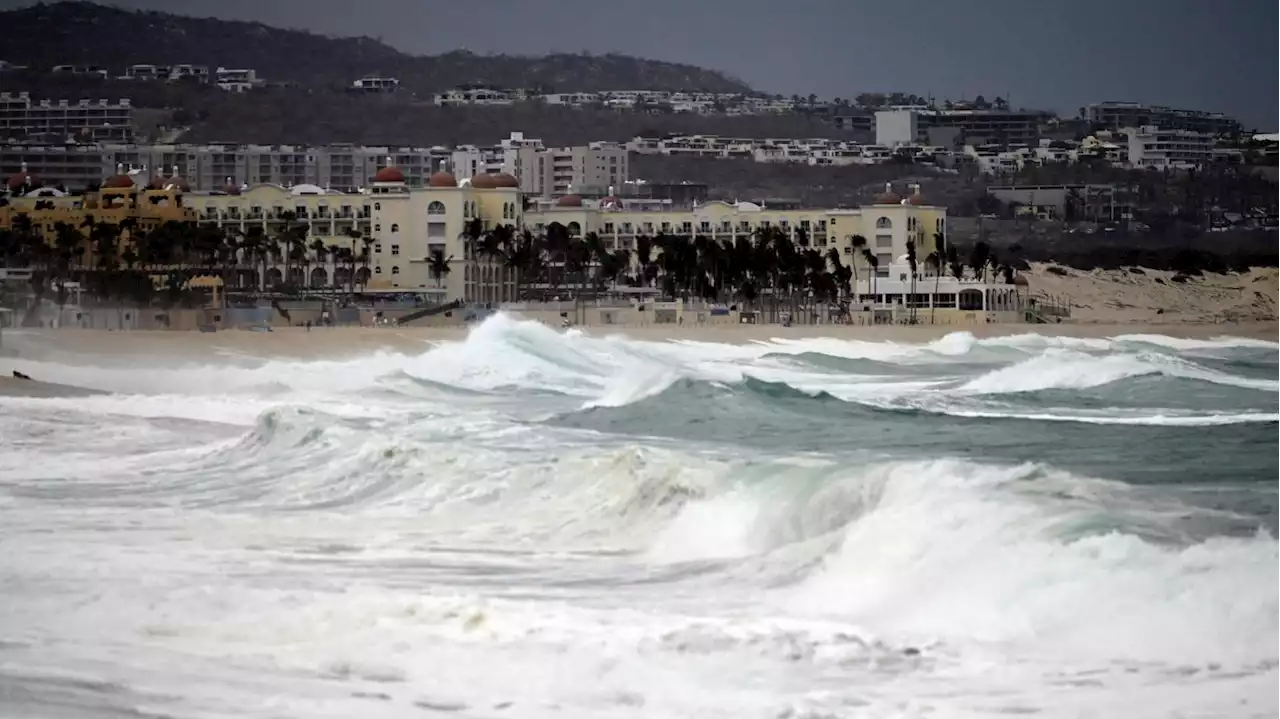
(480, 243)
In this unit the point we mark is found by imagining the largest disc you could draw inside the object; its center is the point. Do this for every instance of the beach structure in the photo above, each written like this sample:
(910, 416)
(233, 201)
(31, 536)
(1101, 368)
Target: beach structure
(395, 239)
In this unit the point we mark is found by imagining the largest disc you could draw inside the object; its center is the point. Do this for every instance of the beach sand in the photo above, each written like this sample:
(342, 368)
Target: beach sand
(1153, 296)
(341, 342)
(1105, 304)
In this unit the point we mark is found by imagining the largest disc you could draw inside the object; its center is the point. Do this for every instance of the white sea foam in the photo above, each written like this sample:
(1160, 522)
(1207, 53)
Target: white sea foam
(262, 538)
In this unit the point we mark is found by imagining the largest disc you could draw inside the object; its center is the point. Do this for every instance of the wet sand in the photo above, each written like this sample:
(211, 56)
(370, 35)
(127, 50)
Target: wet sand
(342, 342)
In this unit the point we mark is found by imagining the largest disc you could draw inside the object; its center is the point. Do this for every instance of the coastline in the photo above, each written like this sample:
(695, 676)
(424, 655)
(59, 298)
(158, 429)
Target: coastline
(348, 342)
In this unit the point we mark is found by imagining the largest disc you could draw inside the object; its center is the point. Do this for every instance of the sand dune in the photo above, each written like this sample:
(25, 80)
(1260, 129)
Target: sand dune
(1153, 296)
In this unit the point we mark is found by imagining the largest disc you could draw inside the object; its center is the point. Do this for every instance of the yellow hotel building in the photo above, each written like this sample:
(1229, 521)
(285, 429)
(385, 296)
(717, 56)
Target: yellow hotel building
(403, 227)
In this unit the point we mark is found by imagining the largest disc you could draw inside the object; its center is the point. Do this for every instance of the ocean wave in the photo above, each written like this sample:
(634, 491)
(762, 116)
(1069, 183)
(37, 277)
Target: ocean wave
(1067, 369)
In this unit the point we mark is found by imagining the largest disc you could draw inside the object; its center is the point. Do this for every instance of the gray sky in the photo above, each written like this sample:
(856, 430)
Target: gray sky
(1058, 54)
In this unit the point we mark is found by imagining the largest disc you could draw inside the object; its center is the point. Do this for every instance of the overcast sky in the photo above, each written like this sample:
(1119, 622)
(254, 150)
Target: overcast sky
(1057, 54)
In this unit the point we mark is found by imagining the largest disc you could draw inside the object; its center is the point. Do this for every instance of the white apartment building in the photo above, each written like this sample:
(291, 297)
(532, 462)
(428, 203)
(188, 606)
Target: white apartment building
(236, 80)
(474, 96)
(209, 168)
(596, 167)
(82, 121)
(375, 85)
(896, 127)
(1152, 147)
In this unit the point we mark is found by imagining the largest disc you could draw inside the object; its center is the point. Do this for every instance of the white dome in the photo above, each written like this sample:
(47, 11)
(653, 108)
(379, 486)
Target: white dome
(305, 189)
(747, 207)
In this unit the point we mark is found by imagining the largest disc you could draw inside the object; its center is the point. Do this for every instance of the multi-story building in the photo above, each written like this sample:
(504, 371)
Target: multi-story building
(236, 80)
(414, 237)
(975, 127)
(120, 198)
(82, 70)
(83, 121)
(1093, 202)
(475, 96)
(881, 230)
(1159, 148)
(211, 167)
(598, 166)
(375, 85)
(1121, 115)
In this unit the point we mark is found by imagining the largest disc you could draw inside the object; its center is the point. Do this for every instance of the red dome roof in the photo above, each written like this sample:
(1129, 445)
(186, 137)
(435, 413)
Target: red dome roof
(569, 201)
(117, 182)
(505, 179)
(442, 179)
(389, 175)
(18, 179)
(917, 199)
(164, 183)
(483, 181)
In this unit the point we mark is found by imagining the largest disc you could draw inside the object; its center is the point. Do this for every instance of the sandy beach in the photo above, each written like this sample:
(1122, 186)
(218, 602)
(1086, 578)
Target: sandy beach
(341, 342)
(1105, 304)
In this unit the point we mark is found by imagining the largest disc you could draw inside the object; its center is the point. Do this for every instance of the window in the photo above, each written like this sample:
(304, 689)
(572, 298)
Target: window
(686, 227)
(377, 247)
(435, 208)
(395, 227)
(626, 228)
(395, 249)
(666, 227)
(648, 228)
(377, 206)
(435, 229)
(608, 228)
(704, 226)
(377, 227)
(804, 225)
(884, 240)
(377, 270)
(883, 223)
(885, 259)
(395, 269)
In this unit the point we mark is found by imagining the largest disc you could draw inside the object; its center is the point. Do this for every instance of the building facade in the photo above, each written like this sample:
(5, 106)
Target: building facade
(63, 120)
(206, 168)
(119, 199)
(413, 237)
(1152, 147)
(975, 127)
(1121, 115)
(547, 172)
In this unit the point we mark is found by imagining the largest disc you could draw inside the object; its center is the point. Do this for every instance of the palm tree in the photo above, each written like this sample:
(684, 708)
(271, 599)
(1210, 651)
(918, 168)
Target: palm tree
(438, 266)
(934, 261)
(321, 253)
(873, 264)
(911, 262)
(859, 247)
(978, 259)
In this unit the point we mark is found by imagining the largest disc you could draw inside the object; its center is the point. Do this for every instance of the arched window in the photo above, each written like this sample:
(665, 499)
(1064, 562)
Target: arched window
(377, 227)
(377, 206)
(377, 270)
(395, 227)
(574, 229)
(435, 208)
(883, 223)
(395, 269)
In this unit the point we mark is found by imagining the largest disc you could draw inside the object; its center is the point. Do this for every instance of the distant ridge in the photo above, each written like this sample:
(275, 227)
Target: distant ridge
(78, 32)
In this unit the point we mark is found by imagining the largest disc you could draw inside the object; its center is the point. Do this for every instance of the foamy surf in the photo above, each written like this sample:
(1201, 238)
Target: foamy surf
(802, 528)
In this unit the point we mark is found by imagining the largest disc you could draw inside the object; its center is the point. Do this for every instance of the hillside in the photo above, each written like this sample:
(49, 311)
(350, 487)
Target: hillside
(45, 35)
